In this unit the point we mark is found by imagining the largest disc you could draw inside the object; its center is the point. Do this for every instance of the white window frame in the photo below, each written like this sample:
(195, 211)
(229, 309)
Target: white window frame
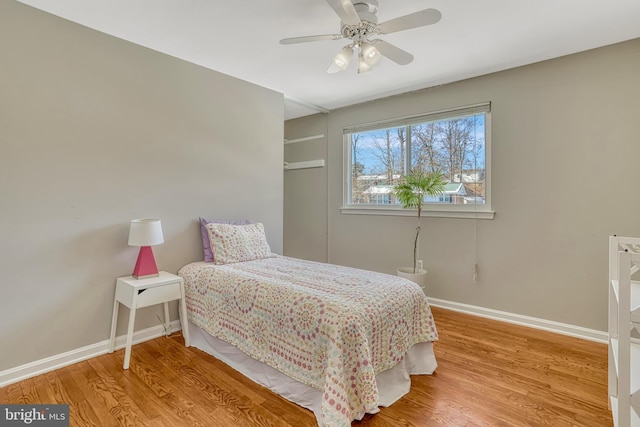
(478, 211)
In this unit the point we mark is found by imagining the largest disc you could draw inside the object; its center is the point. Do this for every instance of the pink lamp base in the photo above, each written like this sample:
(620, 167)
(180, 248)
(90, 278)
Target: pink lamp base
(146, 264)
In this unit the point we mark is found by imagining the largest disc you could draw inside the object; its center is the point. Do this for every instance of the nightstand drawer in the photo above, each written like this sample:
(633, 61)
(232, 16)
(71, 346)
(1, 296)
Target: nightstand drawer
(137, 293)
(159, 294)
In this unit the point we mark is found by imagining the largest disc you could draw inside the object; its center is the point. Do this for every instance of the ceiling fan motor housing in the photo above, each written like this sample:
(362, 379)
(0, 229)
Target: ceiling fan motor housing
(368, 21)
(366, 10)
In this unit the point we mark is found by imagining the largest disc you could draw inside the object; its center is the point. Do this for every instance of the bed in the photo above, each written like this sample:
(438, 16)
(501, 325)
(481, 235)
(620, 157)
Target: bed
(326, 337)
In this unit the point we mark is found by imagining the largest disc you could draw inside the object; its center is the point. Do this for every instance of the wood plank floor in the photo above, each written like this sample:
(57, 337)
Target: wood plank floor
(490, 374)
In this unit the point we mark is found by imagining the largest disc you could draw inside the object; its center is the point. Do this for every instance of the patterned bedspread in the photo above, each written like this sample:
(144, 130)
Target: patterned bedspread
(330, 327)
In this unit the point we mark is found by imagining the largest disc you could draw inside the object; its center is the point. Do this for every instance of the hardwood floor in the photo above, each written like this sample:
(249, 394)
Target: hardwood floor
(490, 374)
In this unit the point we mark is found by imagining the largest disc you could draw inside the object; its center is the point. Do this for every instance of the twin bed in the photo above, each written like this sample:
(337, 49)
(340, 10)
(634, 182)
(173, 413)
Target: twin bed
(339, 341)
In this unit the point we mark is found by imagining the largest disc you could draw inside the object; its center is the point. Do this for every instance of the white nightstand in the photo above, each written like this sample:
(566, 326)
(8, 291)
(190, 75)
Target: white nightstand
(138, 293)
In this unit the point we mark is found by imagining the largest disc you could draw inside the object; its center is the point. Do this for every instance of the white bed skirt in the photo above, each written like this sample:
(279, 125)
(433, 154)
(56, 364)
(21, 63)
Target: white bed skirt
(392, 384)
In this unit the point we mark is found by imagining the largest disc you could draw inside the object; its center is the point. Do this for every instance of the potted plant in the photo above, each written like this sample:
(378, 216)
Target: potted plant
(411, 193)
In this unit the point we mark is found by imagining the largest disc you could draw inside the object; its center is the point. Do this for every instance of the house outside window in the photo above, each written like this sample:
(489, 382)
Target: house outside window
(455, 142)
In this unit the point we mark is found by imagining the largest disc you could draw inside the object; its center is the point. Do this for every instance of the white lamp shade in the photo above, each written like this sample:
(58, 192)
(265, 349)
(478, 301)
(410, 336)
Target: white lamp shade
(145, 232)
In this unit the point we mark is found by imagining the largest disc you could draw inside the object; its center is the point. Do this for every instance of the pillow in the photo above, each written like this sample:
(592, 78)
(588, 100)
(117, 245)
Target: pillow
(237, 243)
(206, 246)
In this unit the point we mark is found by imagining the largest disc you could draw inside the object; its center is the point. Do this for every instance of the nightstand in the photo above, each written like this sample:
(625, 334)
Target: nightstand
(137, 293)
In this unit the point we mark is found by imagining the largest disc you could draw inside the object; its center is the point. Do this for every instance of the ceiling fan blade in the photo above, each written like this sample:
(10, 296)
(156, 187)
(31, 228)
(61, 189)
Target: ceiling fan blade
(345, 11)
(413, 20)
(392, 52)
(305, 39)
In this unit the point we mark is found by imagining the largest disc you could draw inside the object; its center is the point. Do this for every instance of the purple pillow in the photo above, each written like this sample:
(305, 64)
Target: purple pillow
(206, 245)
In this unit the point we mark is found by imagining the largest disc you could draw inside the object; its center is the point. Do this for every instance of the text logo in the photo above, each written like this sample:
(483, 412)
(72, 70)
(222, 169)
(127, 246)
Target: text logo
(34, 415)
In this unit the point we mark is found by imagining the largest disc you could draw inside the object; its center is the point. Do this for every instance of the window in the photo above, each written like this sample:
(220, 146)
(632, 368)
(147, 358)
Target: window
(455, 142)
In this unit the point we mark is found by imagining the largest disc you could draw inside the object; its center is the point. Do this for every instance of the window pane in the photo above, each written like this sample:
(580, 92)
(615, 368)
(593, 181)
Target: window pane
(456, 148)
(377, 164)
(454, 145)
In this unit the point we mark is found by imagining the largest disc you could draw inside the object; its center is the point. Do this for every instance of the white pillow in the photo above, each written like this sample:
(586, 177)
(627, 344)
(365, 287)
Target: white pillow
(236, 243)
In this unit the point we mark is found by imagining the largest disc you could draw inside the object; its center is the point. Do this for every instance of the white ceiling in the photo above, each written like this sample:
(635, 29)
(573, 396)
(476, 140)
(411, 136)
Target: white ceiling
(240, 38)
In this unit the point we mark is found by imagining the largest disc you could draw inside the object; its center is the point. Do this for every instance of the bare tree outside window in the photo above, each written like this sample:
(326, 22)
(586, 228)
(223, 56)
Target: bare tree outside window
(455, 137)
(453, 145)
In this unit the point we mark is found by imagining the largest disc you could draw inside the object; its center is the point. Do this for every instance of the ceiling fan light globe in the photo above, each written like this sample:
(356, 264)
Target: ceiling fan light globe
(370, 54)
(333, 68)
(363, 66)
(342, 59)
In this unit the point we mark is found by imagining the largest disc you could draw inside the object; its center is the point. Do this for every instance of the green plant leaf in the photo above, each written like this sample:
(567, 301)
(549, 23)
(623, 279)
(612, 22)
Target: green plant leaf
(411, 193)
(417, 185)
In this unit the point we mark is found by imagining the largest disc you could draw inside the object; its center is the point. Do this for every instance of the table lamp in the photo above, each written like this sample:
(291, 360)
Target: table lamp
(145, 232)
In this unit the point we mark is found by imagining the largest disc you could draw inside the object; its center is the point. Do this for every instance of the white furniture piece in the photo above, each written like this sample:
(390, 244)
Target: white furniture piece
(624, 316)
(137, 293)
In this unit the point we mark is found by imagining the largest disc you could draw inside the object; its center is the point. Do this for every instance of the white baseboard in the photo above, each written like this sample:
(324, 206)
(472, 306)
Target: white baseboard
(518, 319)
(38, 367)
(42, 366)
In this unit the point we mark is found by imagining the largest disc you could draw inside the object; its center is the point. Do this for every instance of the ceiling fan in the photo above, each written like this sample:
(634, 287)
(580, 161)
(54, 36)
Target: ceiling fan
(359, 24)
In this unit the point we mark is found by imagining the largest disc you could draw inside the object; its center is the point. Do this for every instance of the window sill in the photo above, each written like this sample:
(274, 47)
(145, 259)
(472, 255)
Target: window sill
(426, 212)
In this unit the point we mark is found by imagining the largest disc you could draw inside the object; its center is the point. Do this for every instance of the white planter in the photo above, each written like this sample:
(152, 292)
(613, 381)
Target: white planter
(420, 277)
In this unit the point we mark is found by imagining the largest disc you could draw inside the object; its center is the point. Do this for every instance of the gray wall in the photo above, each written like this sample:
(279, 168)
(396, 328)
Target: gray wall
(94, 132)
(565, 150)
(305, 200)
